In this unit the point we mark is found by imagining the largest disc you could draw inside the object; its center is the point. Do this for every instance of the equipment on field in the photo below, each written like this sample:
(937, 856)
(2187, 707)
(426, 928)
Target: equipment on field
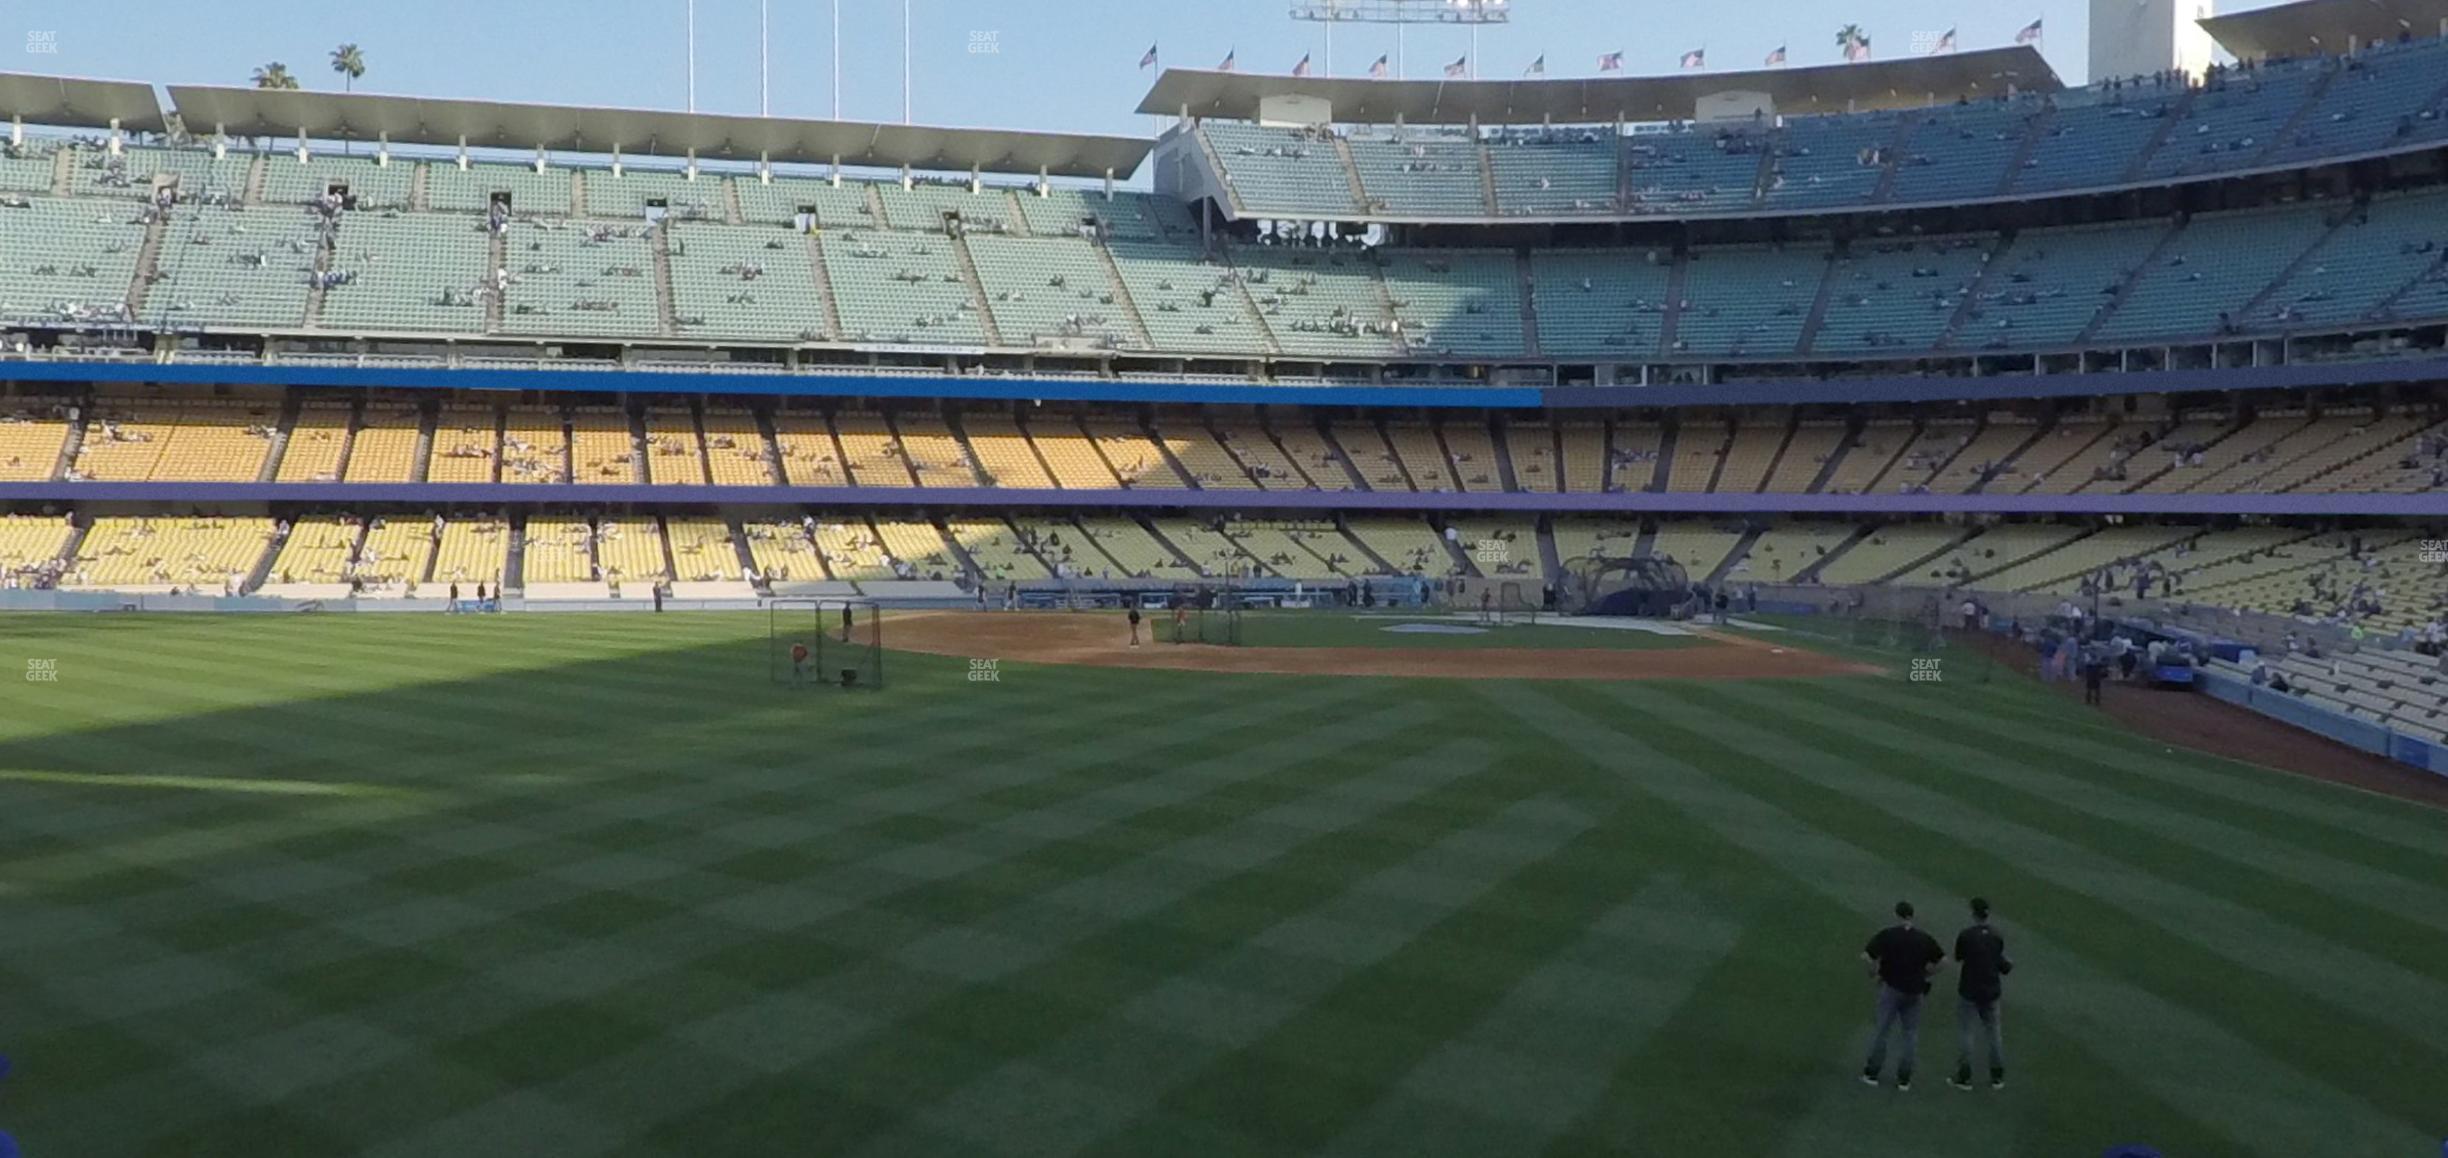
(1643, 585)
(1499, 602)
(825, 643)
(1205, 614)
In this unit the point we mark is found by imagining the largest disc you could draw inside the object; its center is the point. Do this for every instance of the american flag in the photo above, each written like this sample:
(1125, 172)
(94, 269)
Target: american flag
(1859, 49)
(1148, 59)
(1227, 66)
(1537, 67)
(1301, 69)
(1696, 58)
(2030, 34)
(1460, 66)
(1378, 70)
(1946, 43)
(1777, 57)
(1611, 62)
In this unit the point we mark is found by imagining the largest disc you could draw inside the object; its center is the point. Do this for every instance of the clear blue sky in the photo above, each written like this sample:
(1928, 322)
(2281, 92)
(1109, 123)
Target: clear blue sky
(1065, 65)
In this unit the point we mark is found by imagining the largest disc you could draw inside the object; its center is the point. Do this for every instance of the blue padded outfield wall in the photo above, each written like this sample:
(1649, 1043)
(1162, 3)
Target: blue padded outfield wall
(2362, 735)
(1789, 392)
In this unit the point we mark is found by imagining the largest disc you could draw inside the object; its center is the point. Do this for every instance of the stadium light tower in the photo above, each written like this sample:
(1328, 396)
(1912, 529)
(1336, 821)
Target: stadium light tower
(1402, 14)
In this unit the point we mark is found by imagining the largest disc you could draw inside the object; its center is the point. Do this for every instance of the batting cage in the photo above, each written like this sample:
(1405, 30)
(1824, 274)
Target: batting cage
(1642, 585)
(831, 643)
(1501, 601)
(1208, 613)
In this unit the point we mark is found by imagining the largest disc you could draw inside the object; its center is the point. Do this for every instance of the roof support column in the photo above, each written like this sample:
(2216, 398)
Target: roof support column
(906, 180)
(692, 163)
(116, 138)
(540, 161)
(1109, 190)
(16, 131)
(1044, 186)
(382, 149)
(301, 146)
(975, 183)
(764, 167)
(463, 157)
(836, 177)
(616, 159)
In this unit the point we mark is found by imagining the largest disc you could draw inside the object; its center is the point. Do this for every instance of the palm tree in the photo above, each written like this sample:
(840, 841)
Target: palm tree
(350, 64)
(274, 75)
(1846, 35)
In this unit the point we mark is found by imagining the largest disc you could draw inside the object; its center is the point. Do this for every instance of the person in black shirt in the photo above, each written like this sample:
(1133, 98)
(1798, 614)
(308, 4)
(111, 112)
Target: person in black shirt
(1903, 958)
(1981, 953)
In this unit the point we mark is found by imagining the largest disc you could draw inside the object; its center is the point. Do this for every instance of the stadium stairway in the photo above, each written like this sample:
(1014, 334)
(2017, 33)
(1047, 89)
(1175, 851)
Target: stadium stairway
(1973, 290)
(1549, 558)
(1377, 563)
(497, 258)
(1342, 458)
(824, 287)
(148, 261)
(2260, 301)
(658, 245)
(1741, 551)
(1670, 323)
(961, 557)
(278, 446)
(967, 264)
(315, 290)
(641, 453)
(1810, 574)
(2179, 111)
(2286, 132)
(418, 200)
(2133, 274)
(739, 547)
(2387, 306)
(1527, 281)
(1122, 295)
(1505, 478)
(1461, 559)
(662, 533)
(1827, 286)
(1351, 171)
(74, 441)
(1172, 461)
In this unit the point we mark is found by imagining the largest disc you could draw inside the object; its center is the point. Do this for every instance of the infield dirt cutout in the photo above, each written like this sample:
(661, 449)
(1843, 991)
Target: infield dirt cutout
(1102, 639)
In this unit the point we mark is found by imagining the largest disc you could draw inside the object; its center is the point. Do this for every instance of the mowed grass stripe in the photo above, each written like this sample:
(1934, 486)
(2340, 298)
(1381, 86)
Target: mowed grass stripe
(1255, 715)
(862, 947)
(2273, 802)
(2262, 1105)
(2342, 902)
(2331, 820)
(2273, 976)
(1749, 1052)
(1175, 912)
(1540, 1057)
(1364, 986)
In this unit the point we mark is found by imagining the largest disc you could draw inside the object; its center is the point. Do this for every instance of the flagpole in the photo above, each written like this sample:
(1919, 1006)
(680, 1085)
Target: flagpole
(1330, 48)
(764, 58)
(1474, 60)
(905, 61)
(837, 59)
(692, 55)
(1399, 72)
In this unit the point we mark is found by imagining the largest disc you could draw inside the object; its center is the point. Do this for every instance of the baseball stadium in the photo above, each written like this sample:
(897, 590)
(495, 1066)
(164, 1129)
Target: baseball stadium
(1404, 610)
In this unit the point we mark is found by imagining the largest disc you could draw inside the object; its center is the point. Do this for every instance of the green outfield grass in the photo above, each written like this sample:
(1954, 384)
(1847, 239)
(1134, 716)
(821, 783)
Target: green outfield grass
(1345, 629)
(548, 885)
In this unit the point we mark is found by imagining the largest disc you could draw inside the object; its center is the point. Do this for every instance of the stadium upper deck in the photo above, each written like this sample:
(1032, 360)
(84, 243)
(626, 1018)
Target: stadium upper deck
(211, 250)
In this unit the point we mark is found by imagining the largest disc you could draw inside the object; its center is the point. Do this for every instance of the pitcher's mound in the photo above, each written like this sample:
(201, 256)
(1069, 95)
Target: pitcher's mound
(1102, 639)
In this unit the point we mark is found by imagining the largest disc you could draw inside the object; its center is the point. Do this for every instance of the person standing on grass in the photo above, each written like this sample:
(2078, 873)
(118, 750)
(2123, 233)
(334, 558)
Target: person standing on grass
(1134, 625)
(2094, 674)
(1903, 958)
(1980, 954)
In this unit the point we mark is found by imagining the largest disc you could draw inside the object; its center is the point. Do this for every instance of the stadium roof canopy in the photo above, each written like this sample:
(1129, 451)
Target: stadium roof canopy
(2331, 26)
(499, 125)
(1909, 83)
(69, 103)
